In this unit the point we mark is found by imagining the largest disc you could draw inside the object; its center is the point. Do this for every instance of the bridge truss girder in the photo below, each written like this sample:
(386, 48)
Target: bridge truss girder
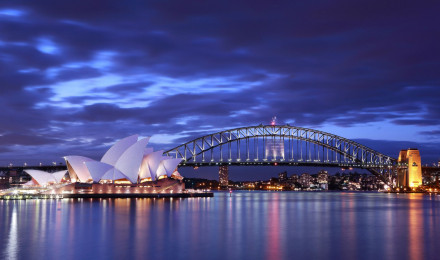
(353, 153)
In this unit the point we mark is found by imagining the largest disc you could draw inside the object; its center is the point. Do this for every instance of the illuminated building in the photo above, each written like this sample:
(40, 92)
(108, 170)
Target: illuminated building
(409, 169)
(128, 168)
(305, 180)
(414, 168)
(127, 161)
(223, 175)
(323, 179)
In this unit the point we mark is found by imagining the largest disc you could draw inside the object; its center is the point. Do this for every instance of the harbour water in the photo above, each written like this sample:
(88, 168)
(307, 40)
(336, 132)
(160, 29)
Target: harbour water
(247, 225)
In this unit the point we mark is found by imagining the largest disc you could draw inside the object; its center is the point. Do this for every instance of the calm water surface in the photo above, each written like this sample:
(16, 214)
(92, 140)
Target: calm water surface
(248, 225)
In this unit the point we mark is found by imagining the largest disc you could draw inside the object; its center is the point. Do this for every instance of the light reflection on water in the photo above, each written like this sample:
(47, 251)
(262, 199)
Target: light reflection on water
(248, 225)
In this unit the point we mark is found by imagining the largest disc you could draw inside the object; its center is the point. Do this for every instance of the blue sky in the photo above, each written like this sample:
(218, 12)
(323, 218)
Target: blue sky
(75, 76)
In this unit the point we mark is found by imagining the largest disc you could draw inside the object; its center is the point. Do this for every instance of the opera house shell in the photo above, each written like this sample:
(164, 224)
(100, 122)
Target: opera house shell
(42, 178)
(127, 161)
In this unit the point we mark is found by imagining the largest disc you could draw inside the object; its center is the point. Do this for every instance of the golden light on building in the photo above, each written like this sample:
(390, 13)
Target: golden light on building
(409, 169)
(414, 168)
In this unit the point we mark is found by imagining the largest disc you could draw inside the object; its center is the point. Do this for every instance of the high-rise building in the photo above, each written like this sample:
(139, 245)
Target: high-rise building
(323, 179)
(409, 169)
(223, 175)
(322, 176)
(305, 180)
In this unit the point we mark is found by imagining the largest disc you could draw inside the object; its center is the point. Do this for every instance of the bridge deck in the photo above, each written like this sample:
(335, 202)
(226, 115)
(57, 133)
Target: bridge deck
(282, 163)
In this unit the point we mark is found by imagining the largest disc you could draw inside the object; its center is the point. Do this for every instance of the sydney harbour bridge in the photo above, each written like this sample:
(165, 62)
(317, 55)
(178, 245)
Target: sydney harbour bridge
(281, 145)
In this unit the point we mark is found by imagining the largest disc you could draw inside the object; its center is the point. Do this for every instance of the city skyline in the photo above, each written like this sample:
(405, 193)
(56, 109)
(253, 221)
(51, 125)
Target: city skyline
(75, 77)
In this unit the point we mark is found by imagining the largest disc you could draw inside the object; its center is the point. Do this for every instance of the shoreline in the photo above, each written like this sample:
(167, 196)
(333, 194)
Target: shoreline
(108, 196)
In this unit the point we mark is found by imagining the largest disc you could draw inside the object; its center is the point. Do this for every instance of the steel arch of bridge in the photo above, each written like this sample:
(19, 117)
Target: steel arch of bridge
(344, 152)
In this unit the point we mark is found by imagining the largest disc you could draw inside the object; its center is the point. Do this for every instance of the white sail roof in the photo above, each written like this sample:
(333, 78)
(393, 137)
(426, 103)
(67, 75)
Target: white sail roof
(113, 174)
(130, 161)
(112, 155)
(41, 177)
(149, 165)
(59, 175)
(98, 169)
(167, 166)
(148, 150)
(78, 165)
(170, 165)
(161, 171)
(144, 171)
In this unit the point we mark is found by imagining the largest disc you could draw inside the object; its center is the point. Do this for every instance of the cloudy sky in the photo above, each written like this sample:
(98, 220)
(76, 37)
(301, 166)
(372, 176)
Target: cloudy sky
(77, 75)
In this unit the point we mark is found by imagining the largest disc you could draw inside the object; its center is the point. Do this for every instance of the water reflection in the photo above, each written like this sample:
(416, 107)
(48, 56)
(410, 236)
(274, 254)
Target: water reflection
(248, 225)
(273, 247)
(415, 224)
(12, 242)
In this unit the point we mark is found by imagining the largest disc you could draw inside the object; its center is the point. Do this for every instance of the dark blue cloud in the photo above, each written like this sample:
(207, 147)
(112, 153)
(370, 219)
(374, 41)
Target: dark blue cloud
(75, 70)
(67, 74)
(28, 140)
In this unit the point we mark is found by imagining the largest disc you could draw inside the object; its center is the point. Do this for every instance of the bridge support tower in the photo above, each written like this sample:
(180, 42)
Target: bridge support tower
(409, 170)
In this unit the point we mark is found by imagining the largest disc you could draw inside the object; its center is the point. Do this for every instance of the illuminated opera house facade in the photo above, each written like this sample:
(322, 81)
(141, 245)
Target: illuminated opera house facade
(127, 167)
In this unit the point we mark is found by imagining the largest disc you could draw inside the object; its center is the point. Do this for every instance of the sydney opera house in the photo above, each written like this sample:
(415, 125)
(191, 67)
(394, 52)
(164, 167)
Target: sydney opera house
(128, 167)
